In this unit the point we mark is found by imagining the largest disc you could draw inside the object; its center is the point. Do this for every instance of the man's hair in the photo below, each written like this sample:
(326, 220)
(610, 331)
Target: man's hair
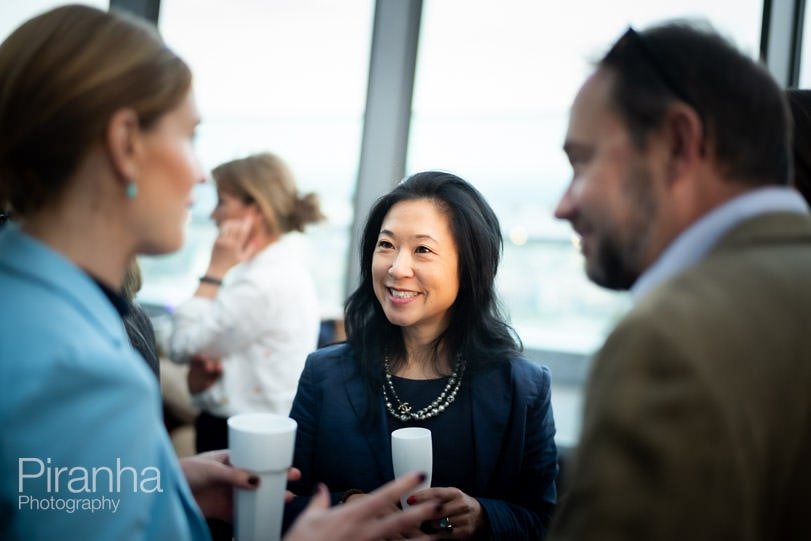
(744, 115)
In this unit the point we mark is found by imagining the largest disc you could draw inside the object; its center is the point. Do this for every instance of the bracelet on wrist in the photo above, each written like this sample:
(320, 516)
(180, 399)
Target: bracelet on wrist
(211, 280)
(349, 493)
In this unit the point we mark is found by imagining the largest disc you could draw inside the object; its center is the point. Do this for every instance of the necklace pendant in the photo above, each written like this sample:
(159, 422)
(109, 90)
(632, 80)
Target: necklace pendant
(404, 413)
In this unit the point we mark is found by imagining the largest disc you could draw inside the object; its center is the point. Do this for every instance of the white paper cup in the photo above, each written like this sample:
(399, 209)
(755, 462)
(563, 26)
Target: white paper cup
(411, 450)
(262, 443)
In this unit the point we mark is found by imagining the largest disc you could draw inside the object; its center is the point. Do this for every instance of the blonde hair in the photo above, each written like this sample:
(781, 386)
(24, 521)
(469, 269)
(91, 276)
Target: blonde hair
(63, 74)
(132, 280)
(266, 180)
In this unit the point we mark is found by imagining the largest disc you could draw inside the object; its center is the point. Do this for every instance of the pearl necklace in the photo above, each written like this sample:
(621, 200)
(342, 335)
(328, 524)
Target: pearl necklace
(445, 398)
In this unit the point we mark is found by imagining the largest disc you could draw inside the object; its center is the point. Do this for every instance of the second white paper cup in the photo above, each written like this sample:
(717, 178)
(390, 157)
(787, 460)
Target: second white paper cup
(412, 450)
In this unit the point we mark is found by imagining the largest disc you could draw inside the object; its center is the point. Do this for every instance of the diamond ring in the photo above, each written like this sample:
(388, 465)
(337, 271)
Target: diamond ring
(445, 525)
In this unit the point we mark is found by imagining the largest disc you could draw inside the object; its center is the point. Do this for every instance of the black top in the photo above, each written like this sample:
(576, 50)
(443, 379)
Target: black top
(142, 337)
(138, 326)
(451, 430)
(119, 301)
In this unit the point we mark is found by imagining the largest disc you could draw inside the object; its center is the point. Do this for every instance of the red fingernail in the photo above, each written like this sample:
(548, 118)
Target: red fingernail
(411, 500)
(253, 481)
(422, 477)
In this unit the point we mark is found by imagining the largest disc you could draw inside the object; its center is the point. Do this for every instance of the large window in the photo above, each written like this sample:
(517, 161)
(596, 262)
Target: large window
(493, 86)
(289, 77)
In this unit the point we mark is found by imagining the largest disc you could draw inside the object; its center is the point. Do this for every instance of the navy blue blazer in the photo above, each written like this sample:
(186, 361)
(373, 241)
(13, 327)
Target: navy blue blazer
(515, 453)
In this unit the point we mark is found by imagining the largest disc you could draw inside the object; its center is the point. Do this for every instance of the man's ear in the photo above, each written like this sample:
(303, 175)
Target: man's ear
(686, 139)
(122, 142)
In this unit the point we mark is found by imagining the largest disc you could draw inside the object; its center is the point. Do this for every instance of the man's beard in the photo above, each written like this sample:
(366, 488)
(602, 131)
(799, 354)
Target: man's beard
(611, 269)
(618, 258)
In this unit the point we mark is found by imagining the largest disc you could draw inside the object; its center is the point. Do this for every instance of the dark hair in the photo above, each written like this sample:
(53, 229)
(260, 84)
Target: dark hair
(62, 76)
(800, 102)
(477, 330)
(743, 111)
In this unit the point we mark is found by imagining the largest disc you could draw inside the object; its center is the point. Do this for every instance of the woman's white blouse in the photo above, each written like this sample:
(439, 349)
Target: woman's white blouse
(262, 325)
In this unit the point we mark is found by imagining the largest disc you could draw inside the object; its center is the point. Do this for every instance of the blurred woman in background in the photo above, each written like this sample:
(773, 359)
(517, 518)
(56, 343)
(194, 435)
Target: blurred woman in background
(254, 318)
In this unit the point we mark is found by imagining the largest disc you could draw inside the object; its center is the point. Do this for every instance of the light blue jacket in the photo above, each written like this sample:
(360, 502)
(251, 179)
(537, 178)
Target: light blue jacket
(75, 395)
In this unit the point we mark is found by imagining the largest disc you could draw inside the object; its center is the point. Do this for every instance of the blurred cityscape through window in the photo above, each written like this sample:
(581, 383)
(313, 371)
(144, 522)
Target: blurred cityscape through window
(494, 83)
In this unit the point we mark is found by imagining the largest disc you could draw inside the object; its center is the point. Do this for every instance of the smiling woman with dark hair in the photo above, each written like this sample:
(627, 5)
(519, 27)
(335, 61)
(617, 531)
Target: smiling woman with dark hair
(428, 347)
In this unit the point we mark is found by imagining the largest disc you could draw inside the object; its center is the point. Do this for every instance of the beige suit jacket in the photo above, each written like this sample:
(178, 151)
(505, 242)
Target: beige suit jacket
(698, 411)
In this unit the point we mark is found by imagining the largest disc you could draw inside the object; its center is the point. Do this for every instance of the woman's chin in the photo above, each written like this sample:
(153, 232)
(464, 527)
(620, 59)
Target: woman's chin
(163, 246)
(398, 320)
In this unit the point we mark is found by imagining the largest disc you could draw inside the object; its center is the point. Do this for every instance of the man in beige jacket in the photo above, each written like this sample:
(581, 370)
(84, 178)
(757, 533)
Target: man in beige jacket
(698, 410)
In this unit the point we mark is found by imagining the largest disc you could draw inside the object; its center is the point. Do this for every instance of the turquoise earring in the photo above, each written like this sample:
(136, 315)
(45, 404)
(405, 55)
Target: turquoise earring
(132, 189)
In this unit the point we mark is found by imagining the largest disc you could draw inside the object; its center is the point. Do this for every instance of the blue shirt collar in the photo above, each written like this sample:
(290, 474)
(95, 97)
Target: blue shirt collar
(695, 242)
(30, 257)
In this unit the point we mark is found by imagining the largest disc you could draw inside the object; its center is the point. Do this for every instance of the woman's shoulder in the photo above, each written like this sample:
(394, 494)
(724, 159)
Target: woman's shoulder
(524, 366)
(330, 357)
(522, 373)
